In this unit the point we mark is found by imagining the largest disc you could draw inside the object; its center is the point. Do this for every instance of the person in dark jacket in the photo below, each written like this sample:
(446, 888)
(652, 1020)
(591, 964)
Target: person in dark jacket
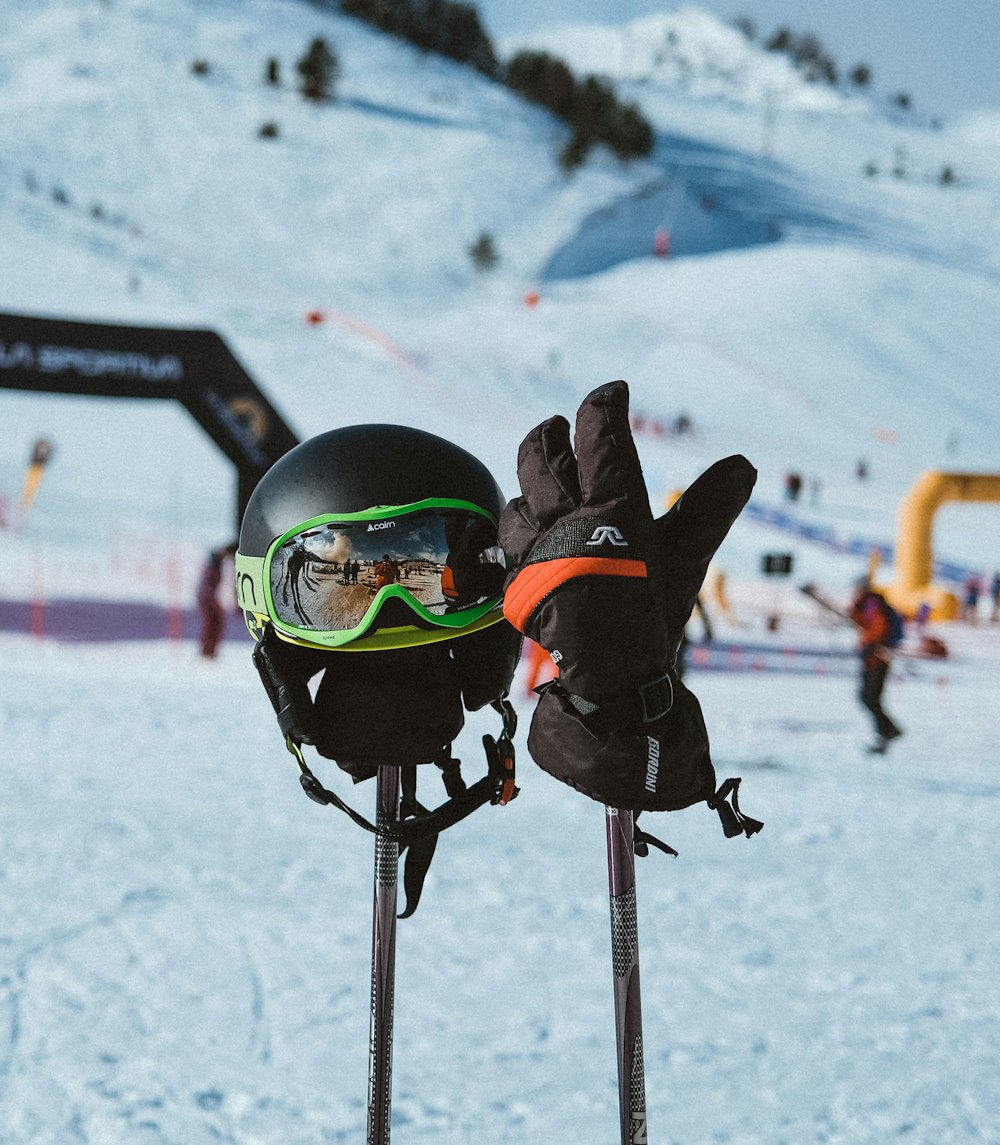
(868, 614)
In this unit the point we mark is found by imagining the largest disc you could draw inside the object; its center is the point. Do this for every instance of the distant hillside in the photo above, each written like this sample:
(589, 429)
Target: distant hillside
(791, 272)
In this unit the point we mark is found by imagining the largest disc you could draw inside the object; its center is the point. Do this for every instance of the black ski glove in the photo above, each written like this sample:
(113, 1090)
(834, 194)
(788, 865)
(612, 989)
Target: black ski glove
(607, 590)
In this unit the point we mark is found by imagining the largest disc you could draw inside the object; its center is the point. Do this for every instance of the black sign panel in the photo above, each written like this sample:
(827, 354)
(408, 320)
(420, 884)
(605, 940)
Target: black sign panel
(777, 564)
(194, 367)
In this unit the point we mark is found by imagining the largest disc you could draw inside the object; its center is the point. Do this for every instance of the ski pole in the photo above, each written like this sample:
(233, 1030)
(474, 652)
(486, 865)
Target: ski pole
(383, 960)
(625, 956)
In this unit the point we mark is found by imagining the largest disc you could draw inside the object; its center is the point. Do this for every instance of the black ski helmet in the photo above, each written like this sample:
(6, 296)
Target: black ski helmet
(354, 470)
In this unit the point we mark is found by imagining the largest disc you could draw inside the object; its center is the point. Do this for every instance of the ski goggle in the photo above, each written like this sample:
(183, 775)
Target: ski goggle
(386, 577)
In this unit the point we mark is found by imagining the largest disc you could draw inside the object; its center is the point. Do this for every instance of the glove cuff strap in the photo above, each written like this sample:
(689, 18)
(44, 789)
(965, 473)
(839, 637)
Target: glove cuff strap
(632, 709)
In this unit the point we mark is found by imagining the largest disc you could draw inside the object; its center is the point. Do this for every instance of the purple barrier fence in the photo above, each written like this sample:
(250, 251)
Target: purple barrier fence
(109, 620)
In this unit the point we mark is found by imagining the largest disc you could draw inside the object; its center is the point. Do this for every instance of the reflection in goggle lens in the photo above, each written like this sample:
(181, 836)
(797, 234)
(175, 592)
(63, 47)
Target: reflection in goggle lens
(325, 578)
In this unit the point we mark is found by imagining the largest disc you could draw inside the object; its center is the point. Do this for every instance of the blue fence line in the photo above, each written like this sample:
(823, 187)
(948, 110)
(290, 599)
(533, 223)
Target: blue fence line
(834, 540)
(726, 656)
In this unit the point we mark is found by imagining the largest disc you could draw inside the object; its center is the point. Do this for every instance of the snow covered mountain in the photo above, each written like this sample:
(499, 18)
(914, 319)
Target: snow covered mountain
(184, 938)
(134, 189)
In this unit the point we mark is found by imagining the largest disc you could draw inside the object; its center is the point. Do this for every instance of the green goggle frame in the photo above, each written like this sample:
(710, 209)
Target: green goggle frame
(263, 583)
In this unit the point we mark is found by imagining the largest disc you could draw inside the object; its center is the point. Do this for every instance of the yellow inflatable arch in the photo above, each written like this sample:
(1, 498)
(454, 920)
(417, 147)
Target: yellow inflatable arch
(914, 557)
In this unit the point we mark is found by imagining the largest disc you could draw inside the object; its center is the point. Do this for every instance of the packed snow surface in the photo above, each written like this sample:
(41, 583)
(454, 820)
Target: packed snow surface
(184, 938)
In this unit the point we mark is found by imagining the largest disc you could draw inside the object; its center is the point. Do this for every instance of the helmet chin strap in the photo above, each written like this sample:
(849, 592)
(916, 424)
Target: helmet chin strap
(417, 828)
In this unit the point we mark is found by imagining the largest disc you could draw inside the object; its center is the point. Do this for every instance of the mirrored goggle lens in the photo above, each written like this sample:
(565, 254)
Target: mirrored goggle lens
(326, 578)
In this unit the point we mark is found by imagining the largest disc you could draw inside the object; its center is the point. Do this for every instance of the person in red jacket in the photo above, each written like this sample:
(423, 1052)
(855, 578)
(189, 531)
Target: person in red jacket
(213, 615)
(386, 572)
(868, 614)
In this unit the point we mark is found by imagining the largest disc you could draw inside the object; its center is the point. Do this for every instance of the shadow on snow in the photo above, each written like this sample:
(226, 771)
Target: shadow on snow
(707, 199)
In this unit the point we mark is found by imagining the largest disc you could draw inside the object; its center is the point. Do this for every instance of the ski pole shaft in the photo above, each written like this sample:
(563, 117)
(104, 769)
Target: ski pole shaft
(383, 961)
(625, 956)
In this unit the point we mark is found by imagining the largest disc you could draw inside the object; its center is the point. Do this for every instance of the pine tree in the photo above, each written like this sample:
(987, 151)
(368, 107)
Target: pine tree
(543, 79)
(319, 70)
(483, 252)
(575, 152)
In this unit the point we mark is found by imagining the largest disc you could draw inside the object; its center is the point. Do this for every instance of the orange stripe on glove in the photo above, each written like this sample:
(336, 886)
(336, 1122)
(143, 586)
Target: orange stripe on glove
(530, 587)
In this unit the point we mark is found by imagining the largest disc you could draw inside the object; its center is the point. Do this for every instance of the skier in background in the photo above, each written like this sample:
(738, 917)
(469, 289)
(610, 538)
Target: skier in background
(970, 601)
(213, 615)
(41, 455)
(869, 615)
(386, 572)
(793, 486)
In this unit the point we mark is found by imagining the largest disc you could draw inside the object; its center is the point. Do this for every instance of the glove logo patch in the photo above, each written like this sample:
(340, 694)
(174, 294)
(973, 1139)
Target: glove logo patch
(609, 534)
(652, 763)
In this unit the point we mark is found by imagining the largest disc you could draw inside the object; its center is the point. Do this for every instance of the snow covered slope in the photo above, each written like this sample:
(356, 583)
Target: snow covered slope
(185, 939)
(133, 189)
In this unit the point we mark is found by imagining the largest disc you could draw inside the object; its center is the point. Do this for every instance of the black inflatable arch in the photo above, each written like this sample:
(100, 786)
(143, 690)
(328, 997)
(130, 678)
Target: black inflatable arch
(193, 367)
